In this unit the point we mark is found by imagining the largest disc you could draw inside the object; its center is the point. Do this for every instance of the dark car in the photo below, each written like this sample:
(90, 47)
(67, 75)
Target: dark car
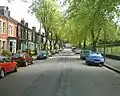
(23, 59)
(7, 65)
(42, 55)
(84, 54)
(73, 49)
(95, 59)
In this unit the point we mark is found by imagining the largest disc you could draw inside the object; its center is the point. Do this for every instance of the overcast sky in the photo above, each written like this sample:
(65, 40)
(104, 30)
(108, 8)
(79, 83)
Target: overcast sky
(19, 10)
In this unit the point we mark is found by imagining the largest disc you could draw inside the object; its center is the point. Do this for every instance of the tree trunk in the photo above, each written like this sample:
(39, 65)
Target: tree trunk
(84, 45)
(46, 41)
(55, 44)
(56, 41)
(50, 45)
(50, 40)
(79, 44)
(94, 46)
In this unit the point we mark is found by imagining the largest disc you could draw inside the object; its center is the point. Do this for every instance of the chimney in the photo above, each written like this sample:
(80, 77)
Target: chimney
(22, 21)
(4, 10)
(26, 24)
(34, 29)
(7, 8)
(8, 13)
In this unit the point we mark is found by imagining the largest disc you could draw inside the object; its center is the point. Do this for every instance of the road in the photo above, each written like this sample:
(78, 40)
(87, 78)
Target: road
(61, 76)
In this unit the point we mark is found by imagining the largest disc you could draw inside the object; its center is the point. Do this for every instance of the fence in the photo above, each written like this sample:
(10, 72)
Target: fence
(115, 50)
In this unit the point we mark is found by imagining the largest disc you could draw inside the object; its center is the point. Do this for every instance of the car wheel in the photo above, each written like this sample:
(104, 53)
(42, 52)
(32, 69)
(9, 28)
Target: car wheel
(15, 70)
(26, 63)
(81, 58)
(87, 63)
(2, 73)
(100, 65)
(33, 62)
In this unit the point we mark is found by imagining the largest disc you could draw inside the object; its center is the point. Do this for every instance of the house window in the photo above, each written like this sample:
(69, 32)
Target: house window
(29, 36)
(0, 26)
(15, 31)
(4, 25)
(10, 29)
(11, 46)
(26, 34)
(21, 33)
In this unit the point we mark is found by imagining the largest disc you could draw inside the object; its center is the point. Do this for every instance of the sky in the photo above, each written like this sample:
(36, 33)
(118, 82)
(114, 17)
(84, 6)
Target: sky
(19, 10)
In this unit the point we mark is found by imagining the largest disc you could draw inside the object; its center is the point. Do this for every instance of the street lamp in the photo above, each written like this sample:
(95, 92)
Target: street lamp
(104, 53)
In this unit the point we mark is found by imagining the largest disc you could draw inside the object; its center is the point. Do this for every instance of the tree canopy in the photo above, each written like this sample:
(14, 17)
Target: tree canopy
(49, 14)
(83, 20)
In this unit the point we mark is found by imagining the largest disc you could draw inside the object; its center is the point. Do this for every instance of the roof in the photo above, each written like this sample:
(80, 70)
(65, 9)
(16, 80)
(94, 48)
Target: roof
(9, 18)
(24, 26)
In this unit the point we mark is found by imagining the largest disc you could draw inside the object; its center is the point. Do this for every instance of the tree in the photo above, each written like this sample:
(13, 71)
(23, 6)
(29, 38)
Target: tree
(47, 12)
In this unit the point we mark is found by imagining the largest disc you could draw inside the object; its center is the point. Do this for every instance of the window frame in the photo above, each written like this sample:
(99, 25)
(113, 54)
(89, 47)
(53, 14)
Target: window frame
(4, 27)
(0, 26)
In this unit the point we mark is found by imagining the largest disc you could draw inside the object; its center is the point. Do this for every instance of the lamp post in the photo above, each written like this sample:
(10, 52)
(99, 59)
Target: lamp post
(104, 53)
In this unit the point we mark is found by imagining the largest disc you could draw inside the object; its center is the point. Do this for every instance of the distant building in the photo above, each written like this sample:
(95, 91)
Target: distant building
(23, 35)
(28, 38)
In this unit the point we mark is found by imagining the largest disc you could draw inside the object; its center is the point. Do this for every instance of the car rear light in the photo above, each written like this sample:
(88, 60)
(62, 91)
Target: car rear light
(24, 57)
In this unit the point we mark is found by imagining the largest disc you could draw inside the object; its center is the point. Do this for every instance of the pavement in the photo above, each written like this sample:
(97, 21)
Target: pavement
(61, 76)
(113, 64)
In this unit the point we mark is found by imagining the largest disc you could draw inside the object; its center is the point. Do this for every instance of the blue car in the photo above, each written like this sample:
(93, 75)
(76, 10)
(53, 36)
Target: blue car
(42, 55)
(95, 59)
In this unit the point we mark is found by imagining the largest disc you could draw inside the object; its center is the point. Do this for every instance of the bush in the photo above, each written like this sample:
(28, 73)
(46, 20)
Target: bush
(0, 51)
(6, 53)
(19, 51)
(33, 52)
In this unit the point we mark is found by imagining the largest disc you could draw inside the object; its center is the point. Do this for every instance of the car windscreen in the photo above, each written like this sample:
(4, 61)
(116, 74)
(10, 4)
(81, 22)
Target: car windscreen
(86, 51)
(17, 55)
(95, 56)
(42, 52)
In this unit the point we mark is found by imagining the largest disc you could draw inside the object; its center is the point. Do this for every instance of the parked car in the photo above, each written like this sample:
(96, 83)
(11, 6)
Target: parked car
(95, 59)
(42, 55)
(77, 51)
(23, 59)
(6, 65)
(73, 49)
(84, 54)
